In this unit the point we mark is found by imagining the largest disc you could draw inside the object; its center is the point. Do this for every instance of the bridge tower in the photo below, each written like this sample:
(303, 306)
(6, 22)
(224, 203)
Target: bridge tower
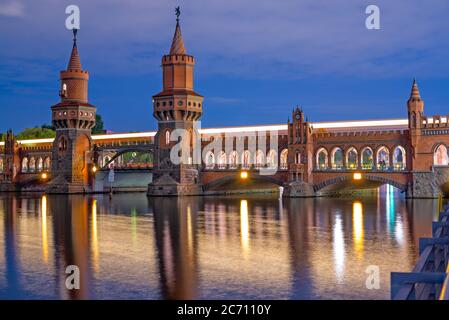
(11, 163)
(300, 155)
(177, 107)
(73, 118)
(415, 107)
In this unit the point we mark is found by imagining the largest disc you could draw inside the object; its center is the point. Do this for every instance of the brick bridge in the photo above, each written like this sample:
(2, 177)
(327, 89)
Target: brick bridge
(307, 158)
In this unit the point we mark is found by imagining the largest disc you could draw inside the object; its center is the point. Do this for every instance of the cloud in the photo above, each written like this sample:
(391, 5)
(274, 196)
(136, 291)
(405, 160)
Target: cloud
(12, 9)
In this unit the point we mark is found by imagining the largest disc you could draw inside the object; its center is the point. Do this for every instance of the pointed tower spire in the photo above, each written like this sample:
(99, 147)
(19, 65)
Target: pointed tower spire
(74, 62)
(177, 46)
(415, 91)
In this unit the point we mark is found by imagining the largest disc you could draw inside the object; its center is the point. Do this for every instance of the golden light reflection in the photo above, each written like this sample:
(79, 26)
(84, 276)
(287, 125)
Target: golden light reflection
(357, 225)
(339, 248)
(244, 226)
(189, 230)
(95, 251)
(44, 228)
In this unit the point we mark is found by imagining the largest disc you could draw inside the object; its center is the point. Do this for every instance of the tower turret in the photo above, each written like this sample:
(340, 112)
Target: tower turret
(176, 107)
(73, 118)
(415, 107)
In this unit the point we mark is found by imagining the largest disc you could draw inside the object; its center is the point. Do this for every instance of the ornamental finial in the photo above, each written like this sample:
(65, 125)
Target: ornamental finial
(177, 13)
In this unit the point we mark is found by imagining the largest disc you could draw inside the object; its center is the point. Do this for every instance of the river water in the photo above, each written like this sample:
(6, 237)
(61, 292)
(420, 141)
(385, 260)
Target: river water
(234, 247)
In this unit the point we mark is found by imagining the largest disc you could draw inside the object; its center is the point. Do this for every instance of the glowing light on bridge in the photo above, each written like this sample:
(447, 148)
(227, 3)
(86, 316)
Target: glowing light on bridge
(244, 174)
(357, 176)
(364, 123)
(375, 124)
(44, 176)
(357, 225)
(244, 226)
(44, 228)
(131, 135)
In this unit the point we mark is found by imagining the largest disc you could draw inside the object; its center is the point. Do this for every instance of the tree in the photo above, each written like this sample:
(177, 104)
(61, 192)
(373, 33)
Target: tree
(99, 125)
(45, 131)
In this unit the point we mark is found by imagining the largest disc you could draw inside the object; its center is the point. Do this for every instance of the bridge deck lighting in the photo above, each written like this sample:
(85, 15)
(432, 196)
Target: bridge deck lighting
(94, 169)
(357, 176)
(244, 174)
(44, 176)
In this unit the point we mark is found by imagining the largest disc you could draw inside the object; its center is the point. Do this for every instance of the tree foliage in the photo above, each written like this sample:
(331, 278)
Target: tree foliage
(45, 131)
(99, 125)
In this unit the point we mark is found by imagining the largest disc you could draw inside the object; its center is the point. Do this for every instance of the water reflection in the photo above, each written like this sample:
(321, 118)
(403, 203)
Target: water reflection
(132, 246)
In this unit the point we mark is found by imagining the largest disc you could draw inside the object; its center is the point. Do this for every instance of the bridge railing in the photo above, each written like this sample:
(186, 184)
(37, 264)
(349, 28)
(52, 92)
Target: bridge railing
(211, 167)
(429, 279)
(363, 168)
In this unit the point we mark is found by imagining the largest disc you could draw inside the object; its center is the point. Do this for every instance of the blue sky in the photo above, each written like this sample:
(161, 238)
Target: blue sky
(256, 60)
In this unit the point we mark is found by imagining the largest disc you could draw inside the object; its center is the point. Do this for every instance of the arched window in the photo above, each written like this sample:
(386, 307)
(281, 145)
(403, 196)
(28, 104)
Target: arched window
(298, 157)
(210, 160)
(25, 164)
(351, 158)
(233, 159)
(167, 137)
(32, 165)
(246, 159)
(383, 158)
(222, 160)
(440, 156)
(337, 158)
(367, 158)
(399, 159)
(62, 145)
(272, 159)
(284, 159)
(40, 164)
(321, 159)
(47, 163)
(260, 158)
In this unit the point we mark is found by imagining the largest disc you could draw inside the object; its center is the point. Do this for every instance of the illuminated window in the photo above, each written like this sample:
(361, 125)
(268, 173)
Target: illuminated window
(260, 158)
(233, 159)
(383, 158)
(47, 163)
(222, 160)
(351, 158)
(337, 158)
(40, 164)
(25, 164)
(399, 159)
(32, 165)
(167, 137)
(321, 158)
(246, 159)
(210, 160)
(284, 159)
(367, 158)
(440, 157)
(272, 159)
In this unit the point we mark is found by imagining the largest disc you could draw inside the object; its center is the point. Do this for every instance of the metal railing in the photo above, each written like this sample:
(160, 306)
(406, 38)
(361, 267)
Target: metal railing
(429, 279)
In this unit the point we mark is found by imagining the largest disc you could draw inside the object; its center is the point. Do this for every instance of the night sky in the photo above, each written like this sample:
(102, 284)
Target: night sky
(255, 60)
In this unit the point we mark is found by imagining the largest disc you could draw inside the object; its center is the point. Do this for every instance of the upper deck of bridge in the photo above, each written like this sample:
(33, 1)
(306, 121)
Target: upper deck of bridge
(318, 127)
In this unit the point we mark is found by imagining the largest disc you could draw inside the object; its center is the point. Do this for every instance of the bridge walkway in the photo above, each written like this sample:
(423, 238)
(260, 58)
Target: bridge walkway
(429, 279)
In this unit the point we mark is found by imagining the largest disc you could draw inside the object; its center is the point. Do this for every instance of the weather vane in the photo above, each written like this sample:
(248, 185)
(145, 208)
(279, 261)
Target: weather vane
(177, 13)
(75, 31)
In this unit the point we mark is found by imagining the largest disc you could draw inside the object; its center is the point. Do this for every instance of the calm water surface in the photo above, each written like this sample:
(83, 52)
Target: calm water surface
(242, 247)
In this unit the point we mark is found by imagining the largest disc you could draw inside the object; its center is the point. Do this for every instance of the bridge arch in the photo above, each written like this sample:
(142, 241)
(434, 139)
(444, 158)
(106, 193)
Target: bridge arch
(372, 178)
